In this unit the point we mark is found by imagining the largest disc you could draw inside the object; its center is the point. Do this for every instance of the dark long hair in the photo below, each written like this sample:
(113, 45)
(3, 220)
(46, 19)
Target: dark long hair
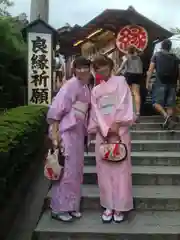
(91, 81)
(80, 62)
(101, 61)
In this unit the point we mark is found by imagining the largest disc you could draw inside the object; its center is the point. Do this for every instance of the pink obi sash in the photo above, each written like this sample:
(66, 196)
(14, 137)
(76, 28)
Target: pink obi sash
(107, 104)
(80, 109)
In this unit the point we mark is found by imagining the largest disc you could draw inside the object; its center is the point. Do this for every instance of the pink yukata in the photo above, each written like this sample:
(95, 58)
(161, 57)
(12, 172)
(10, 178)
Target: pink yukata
(69, 107)
(112, 102)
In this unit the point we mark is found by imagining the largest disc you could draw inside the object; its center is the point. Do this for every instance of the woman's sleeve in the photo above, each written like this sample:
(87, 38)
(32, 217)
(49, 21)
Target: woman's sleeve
(60, 106)
(92, 126)
(124, 112)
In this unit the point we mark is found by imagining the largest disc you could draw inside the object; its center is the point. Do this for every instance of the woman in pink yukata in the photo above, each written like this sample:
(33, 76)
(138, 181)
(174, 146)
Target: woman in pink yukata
(111, 116)
(67, 117)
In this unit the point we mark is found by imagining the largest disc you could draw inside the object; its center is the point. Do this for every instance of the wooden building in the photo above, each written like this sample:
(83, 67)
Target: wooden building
(101, 33)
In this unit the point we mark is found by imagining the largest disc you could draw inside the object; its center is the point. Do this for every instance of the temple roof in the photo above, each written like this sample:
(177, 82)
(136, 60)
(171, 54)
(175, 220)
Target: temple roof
(114, 19)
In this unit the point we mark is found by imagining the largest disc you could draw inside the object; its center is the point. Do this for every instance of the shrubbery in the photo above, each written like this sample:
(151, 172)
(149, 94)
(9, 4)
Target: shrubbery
(22, 132)
(13, 64)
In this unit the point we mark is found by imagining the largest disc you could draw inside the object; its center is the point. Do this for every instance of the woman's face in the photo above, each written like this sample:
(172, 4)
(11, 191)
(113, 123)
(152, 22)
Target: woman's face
(83, 74)
(104, 72)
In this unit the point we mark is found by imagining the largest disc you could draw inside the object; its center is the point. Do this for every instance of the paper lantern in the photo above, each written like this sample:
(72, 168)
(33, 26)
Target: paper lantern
(132, 35)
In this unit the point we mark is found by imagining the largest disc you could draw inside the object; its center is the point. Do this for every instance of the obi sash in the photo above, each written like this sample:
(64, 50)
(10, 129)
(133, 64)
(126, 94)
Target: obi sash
(80, 109)
(107, 104)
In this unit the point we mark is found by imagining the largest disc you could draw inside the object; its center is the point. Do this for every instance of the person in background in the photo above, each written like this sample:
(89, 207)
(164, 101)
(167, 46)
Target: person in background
(132, 69)
(110, 117)
(166, 65)
(67, 116)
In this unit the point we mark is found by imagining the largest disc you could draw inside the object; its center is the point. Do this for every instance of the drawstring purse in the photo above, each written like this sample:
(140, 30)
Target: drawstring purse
(113, 152)
(54, 164)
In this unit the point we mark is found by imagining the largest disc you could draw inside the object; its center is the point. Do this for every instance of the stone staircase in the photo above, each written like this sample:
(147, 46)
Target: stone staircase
(156, 189)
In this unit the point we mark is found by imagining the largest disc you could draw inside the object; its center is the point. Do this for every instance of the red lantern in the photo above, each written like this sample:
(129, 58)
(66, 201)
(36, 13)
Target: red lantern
(132, 35)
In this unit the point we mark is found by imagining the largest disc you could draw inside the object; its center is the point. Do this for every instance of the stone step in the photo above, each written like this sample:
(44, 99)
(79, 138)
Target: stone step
(156, 198)
(145, 158)
(149, 145)
(153, 135)
(150, 126)
(153, 119)
(143, 175)
(148, 225)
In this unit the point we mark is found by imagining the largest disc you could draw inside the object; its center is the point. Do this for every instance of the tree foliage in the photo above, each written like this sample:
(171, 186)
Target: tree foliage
(175, 30)
(4, 5)
(11, 40)
(13, 57)
(10, 36)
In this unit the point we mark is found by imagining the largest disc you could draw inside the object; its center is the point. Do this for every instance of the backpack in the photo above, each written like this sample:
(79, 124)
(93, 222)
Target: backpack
(134, 65)
(167, 67)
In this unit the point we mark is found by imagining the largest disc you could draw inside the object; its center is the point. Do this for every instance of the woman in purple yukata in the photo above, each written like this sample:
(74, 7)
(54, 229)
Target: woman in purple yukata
(68, 118)
(111, 116)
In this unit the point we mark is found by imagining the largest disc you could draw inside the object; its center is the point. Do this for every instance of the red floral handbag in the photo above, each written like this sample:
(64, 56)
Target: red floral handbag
(113, 152)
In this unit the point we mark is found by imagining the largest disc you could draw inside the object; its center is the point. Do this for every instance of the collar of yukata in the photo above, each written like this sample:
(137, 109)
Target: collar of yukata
(81, 83)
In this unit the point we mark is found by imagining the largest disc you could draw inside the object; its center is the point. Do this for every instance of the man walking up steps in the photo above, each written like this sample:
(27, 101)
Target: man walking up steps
(166, 65)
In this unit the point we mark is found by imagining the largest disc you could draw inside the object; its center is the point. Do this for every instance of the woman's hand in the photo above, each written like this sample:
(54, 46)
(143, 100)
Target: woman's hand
(115, 128)
(56, 140)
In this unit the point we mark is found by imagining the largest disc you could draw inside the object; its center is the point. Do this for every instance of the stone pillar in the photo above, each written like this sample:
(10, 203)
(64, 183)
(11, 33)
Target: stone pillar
(39, 8)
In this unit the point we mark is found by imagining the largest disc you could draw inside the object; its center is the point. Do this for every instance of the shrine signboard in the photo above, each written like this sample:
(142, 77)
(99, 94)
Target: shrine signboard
(40, 38)
(39, 68)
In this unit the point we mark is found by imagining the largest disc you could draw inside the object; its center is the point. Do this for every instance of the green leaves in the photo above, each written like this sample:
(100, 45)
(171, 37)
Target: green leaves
(11, 40)
(7, 3)
(4, 5)
(22, 132)
(13, 63)
(175, 30)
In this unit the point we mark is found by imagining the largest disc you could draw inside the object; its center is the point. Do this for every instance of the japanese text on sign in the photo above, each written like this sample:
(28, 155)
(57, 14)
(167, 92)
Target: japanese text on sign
(39, 68)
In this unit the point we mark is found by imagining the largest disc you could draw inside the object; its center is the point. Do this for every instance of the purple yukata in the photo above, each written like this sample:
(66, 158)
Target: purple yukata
(70, 107)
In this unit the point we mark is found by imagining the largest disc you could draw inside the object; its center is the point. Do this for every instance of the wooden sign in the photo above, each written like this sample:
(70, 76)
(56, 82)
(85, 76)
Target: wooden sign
(39, 68)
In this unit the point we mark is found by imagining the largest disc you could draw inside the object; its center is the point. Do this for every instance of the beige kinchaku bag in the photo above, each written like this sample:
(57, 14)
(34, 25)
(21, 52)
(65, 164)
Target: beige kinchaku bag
(52, 168)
